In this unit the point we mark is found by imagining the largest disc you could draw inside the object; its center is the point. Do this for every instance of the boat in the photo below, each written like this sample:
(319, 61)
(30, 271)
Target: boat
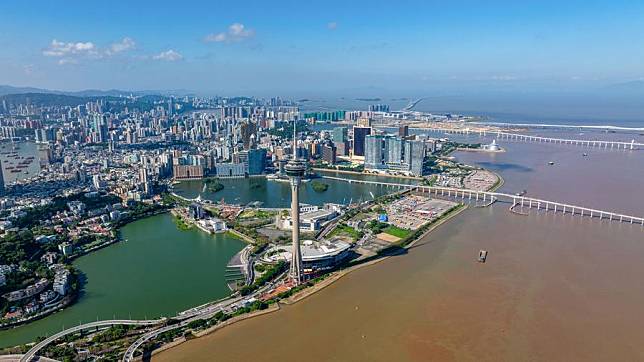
(551, 163)
(482, 256)
(584, 154)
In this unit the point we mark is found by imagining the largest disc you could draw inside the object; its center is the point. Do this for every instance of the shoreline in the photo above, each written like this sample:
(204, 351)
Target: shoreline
(330, 279)
(73, 299)
(307, 292)
(364, 173)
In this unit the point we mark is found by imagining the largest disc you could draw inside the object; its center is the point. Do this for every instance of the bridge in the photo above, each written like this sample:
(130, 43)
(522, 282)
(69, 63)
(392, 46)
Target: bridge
(31, 354)
(521, 137)
(517, 200)
(411, 105)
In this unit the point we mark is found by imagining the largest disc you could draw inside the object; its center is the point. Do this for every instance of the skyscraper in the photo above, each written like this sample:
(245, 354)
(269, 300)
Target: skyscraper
(415, 157)
(339, 135)
(1, 179)
(359, 135)
(373, 151)
(256, 161)
(403, 131)
(393, 150)
(295, 169)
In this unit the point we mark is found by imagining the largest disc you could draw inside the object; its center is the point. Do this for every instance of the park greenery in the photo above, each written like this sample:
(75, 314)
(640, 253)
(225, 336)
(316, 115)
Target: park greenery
(319, 186)
(181, 223)
(213, 184)
(344, 229)
(268, 275)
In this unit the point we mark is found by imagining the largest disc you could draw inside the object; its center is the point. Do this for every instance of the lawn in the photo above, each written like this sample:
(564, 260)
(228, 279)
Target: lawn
(344, 229)
(255, 214)
(396, 231)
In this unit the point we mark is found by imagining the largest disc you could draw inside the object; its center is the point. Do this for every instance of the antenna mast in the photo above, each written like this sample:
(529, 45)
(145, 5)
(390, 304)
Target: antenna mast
(294, 139)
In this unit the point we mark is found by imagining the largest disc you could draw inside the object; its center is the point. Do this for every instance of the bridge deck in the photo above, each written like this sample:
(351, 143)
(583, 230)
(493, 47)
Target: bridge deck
(522, 200)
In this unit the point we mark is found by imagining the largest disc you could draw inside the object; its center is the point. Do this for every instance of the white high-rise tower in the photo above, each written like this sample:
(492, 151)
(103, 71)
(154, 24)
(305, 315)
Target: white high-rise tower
(295, 169)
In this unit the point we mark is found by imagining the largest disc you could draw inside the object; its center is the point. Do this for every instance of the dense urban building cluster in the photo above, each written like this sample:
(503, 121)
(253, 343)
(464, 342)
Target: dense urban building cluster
(77, 168)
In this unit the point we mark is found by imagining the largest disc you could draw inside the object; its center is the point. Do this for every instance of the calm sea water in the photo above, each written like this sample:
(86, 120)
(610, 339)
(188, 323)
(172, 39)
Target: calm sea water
(568, 109)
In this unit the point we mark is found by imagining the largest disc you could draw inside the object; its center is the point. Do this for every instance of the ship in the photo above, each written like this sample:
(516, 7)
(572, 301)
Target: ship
(482, 256)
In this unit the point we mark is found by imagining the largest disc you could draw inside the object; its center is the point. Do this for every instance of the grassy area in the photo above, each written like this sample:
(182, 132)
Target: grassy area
(344, 229)
(396, 231)
(182, 224)
(256, 214)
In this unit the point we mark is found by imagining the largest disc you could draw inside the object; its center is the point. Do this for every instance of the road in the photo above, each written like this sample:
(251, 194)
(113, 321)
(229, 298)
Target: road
(27, 357)
(205, 312)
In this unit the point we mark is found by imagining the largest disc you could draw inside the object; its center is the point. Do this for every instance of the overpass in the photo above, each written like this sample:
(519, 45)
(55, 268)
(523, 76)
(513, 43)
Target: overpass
(528, 138)
(492, 196)
(31, 354)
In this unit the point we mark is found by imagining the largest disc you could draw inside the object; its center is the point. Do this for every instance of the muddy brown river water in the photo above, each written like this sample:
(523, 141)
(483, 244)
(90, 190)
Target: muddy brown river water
(554, 287)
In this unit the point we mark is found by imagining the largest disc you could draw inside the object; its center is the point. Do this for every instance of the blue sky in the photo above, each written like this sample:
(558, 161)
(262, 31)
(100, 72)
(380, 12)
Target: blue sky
(323, 46)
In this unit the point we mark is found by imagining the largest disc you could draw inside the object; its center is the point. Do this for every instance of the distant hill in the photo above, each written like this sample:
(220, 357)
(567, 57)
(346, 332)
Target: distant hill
(43, 99)
(7, 89)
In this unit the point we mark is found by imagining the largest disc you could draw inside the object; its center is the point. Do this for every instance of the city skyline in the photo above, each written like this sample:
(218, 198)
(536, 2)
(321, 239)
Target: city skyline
(291, 47)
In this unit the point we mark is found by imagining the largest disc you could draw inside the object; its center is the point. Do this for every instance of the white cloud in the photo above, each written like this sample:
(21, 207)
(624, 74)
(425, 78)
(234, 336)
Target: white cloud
(168, 55)
(61, 49)
(73, 52)
(236, 32)
(124, 45)
(332, 25)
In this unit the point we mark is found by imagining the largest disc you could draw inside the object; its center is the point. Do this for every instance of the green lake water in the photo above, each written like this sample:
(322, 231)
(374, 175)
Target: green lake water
(156, 271)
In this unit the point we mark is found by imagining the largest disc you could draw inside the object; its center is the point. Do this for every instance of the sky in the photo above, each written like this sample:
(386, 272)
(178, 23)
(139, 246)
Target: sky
(309, 47)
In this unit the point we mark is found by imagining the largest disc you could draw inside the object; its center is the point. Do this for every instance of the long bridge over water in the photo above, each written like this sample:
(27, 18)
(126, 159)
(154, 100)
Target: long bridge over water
(539, 139)
(492, 196)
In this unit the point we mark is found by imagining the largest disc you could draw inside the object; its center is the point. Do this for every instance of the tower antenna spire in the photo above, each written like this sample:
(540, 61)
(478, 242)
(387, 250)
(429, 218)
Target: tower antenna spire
(294, 138)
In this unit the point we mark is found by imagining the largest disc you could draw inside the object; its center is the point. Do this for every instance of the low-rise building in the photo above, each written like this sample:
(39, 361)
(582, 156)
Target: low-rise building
(62, 281)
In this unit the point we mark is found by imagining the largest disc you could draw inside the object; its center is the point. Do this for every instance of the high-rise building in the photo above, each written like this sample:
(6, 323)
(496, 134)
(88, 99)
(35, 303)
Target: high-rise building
(256, 161)
(394, 150)
(342, 148)
(403, 131)
(295, 171)
(328, 153)
(359, 135)
(339, 135)
(415, 157)
(96, 181)
(378, 108)
(1, 179)
(373, 148)
(247, 129)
